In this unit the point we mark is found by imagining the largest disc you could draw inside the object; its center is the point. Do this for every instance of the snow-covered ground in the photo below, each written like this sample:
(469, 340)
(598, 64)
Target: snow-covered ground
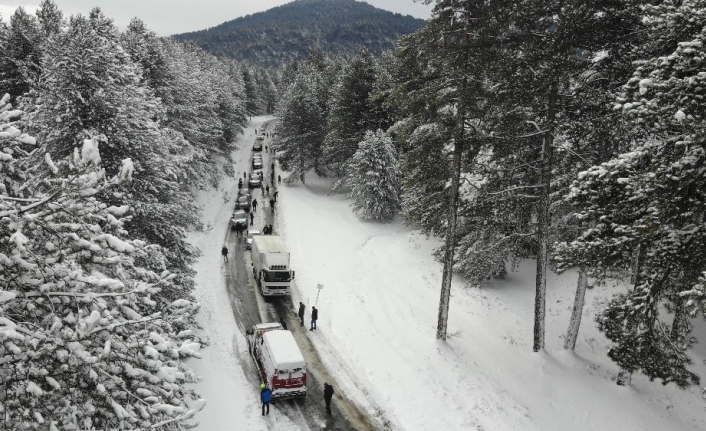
(377, 321)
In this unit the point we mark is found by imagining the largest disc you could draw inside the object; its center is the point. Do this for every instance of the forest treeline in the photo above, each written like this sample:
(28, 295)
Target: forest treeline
(105, 135)
(567, 132)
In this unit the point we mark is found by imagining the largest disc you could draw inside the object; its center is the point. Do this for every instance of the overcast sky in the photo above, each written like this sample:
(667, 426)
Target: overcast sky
(167, 17)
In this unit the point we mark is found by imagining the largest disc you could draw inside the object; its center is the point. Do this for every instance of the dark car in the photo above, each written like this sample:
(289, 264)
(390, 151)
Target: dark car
(239, 218)
(255, 181)
(257, 146)
(243, 203)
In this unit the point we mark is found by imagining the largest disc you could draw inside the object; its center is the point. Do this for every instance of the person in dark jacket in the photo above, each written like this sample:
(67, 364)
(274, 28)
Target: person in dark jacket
(272, 204)
(279, 179)
(302, 310)
(254, 205)
(267, 189)
(275, 195)
(240, 183)
(224, 252)
(252, 218)
(314, 318)
(265, 398)
(328, 394)
(283, 323)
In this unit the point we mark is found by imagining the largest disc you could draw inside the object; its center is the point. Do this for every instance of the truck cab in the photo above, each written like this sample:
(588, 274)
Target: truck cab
(278, 358)
(270, 260)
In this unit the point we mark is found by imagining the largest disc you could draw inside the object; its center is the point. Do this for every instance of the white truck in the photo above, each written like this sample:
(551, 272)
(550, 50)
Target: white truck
(278, 358)
(270, 261)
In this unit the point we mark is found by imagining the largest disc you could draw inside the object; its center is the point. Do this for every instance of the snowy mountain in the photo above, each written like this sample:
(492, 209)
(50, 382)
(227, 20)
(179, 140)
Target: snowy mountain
(289, 32)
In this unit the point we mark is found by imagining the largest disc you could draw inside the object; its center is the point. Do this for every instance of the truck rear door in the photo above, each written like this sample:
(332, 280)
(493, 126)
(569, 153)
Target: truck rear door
(289, 379)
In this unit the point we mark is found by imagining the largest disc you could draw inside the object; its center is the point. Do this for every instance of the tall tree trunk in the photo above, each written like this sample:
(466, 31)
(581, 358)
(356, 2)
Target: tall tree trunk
(450, 242)
(543, 222)
(625, 375)
(679, 323)
(575, 323)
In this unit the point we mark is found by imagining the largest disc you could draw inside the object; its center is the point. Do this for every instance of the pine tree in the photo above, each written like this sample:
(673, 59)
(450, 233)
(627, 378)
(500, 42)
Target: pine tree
(20, 52)
(301, 125)
(352, 112)
(90, 339)
(646, 204)
(373, 176)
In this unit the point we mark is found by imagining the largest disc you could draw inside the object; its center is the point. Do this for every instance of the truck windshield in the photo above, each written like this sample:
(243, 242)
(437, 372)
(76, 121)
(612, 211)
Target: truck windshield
(275, 276)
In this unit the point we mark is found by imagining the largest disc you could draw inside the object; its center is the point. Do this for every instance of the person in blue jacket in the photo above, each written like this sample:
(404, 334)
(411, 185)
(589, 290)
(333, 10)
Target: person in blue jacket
(265, 397)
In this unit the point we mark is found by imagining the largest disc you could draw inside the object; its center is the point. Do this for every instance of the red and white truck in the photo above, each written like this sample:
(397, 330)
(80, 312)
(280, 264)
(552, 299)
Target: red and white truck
(278, 358)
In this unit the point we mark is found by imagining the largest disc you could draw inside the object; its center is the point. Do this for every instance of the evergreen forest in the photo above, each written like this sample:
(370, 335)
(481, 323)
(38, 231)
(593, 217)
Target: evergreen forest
(571, 133)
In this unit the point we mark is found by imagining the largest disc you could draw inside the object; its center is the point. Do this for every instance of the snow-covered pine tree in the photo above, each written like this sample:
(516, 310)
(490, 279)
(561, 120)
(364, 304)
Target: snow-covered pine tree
(352, 112)
(301, 125)
(20, 51)
(647, 204)
(373, 176)
(87, 338)
(90, 88)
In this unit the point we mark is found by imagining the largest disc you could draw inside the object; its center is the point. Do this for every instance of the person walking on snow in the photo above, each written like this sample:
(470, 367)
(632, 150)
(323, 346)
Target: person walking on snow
(275, 195)
(302, 310)
(328, 394)
(267, 189)
(240, 183)
(254, 205)
(314, 317)
(272, 204)
(265, 398)
(283, 323)
(245, 174)
(224, 252)
(252, 218)
(279, 179)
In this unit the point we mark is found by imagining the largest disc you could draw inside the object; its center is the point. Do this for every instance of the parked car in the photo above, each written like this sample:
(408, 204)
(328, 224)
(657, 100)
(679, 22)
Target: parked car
(243, 203)
(251, 233)
(258, 172)
(254, 181)
(261, 138)
(239, 218)
(257, 146)
(257, 164)
(244, 192)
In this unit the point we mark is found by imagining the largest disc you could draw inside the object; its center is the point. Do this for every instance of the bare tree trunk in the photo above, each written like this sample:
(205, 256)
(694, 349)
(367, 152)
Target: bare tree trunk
(450, 241)
(575, 323)
(543, 221)
(625, 375)
(679, 323)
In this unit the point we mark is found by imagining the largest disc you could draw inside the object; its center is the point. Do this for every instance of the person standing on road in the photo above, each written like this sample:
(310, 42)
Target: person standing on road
(252, 218)
(267, 189)
(302, 310)
(273, 166)
(265, 398)
(224, 252)
(275, 194)
(272, 204)
(328, 394)
(314, 317)
(254, 205)
(279, 179)
(283, 323)
(245, 175)
(240, 183)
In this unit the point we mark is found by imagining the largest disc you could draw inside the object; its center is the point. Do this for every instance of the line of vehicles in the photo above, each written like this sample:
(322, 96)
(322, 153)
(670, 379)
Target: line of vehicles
(276, 354)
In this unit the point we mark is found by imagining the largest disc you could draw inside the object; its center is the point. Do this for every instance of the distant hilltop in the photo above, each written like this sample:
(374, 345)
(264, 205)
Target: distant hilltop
(276, 37)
